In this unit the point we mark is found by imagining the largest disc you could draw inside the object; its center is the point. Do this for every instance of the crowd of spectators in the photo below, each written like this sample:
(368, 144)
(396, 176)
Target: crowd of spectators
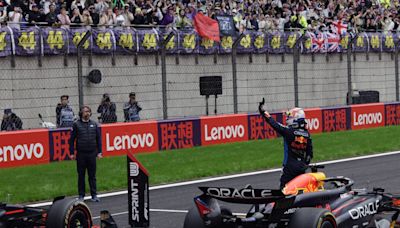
(261, 15)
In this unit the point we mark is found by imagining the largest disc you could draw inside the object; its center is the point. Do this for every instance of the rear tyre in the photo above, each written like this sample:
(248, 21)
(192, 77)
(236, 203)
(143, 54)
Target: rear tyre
(193, 219)
(69, 213)
(312, 218)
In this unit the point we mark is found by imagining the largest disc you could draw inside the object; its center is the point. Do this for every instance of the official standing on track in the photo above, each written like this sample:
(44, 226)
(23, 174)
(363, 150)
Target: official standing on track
(86, 134)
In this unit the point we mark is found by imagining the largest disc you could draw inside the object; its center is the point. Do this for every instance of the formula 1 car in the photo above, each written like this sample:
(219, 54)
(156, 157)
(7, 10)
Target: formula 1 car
(310, 200)
(62, 213)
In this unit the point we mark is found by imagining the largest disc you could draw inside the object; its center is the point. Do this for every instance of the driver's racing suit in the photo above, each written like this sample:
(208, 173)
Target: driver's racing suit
(298, 150)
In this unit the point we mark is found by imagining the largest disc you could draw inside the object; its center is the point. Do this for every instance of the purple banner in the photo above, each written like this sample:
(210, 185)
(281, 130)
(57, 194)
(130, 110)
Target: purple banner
(27, 41)
(226, 44)
(260, 42)
(103, 41)
(179, 134)
(246, 43)
(276, 42)
(188, 42)
(55, 41)
(208, 46)
(290, 41)
(306, 43)
(389, 42)
(126, 41)
(148, 40)
(172, 45)
(375, 42)
(361, 43)
(75, 36)
(59, 144)
(5, 42)
(344, 42)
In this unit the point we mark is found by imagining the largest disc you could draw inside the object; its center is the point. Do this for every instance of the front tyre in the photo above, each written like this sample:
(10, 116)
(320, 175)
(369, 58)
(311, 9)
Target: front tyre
(312, 218)
(69, 213)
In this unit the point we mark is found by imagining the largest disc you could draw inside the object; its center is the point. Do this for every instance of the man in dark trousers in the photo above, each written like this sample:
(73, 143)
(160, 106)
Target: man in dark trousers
(86, 134)
(298, 150)
(64, 113)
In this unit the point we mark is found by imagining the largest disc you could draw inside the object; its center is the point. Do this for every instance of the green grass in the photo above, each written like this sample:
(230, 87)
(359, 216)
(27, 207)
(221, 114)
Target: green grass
(34, 183)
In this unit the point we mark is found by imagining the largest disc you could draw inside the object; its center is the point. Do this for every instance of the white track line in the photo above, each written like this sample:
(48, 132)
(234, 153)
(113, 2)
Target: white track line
(162, 210)
(228, 177)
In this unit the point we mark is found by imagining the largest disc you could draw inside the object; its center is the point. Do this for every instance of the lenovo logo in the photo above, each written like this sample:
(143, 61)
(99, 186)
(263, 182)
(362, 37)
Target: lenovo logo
(129, 141)
(312, 124)
(367, 118)
(224, 132)
(21, 152)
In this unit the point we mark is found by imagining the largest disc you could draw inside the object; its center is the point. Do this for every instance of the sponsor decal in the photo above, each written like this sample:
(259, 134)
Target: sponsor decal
(135, 201)
(364, 210)
(367, 116)
(136, 137)
(246, 193)
(179, 134)
(227, 128)
(24, 148)
(335, 119)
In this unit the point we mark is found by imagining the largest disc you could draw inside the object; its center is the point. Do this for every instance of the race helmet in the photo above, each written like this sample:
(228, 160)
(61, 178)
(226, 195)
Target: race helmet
(296, 118)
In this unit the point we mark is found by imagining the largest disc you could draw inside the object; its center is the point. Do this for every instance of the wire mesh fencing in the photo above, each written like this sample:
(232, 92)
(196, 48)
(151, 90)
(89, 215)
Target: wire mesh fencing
(30, 88)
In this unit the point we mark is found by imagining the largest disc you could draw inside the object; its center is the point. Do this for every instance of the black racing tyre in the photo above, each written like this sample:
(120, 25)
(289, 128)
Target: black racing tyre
(312, 218)
(69, 213)
(193, 219)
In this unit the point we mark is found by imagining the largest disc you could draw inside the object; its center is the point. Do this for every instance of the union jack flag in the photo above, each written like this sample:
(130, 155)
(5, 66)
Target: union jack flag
(339, 27)
(318, 42)
(332, 42)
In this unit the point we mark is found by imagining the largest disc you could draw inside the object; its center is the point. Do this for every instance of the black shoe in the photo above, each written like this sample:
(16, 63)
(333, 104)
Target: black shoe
(81, 198)
(95, 199)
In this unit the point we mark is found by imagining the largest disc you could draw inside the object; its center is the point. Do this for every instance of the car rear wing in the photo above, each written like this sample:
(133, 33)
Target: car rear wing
(243, 196)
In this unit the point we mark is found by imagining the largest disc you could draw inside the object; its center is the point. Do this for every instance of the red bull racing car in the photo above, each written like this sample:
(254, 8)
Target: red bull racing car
(305, 202)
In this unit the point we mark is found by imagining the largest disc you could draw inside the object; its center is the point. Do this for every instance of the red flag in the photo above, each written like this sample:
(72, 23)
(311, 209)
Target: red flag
(206, 27)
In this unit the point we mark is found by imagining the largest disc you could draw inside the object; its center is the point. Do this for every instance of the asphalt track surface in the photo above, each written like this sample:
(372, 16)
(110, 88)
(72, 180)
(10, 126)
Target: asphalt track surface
(168, 206)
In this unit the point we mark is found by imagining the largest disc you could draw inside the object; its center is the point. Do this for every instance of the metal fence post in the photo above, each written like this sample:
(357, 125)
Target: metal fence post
(296, 56)
(396, 69)
(349, 82)
(164, 73)
(234, 73)
(80, 73)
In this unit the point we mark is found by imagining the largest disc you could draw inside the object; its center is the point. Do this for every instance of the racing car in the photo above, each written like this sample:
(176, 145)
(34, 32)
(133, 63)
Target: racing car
(62, 213)
(311, 200)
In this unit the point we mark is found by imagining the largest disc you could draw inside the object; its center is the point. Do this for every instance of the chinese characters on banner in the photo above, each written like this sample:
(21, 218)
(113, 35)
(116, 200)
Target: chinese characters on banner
(30, 147)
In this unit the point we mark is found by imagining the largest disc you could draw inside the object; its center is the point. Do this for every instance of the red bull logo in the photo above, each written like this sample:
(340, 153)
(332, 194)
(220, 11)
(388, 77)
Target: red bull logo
(308, 182)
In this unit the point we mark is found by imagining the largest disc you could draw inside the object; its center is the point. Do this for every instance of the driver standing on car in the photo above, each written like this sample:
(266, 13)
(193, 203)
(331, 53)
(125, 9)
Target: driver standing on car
(298, 150)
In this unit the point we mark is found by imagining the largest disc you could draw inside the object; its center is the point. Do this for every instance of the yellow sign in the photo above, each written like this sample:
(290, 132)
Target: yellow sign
(207, 43)
(389, 43)
(344, 42)
(226, 42)
(291, 41)
(189, 41)
(126, 40)
(375, 41)
(171, 42)
(360, 41)
(246, 41)
(27, 40)
(276, 42)
(78, 37)
(104, 40)
(259, 41)
(3, 42)
(55, 39)
(149, 41)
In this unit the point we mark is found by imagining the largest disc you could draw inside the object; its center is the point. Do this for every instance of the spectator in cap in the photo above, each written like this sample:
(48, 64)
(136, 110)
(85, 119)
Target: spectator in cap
(64, 113)
(10, 122)
(132, 109)
(107, 110)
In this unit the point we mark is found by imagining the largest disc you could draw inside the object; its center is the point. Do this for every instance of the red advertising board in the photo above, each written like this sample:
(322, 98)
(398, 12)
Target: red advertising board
(314, 120)
(367, 116)
(21, 148)
(137, 137)
(223, 129)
